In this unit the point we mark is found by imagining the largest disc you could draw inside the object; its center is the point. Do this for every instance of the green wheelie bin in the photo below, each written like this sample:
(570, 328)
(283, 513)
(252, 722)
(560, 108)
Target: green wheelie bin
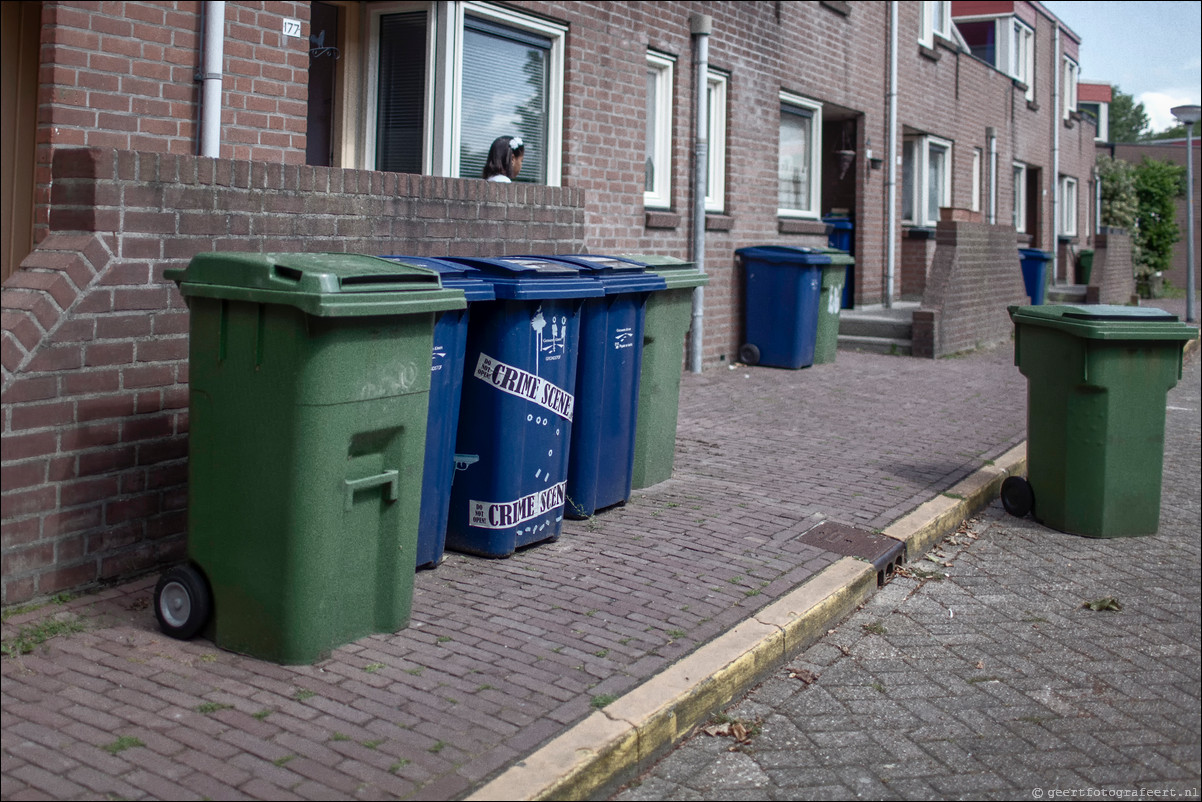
(668, 316)
(309, 376)
(1097, 379)
(830, 302)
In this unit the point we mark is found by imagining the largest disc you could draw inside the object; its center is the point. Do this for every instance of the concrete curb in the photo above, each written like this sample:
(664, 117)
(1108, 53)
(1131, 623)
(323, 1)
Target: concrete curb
(613, 744)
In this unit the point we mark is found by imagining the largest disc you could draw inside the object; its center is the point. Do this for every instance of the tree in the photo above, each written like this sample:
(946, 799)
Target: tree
(1175, 132)
(1128, 120)
(1120, 204)
(1157, 185)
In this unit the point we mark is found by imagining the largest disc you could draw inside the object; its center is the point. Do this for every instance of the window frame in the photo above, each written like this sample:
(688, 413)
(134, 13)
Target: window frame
(931, 14)
(664, 67)
(1068, 205)
(444, 80)
(1022, 55)
(1018, 216)
(813, 110)
(715, 190)
(916, 149)
(1072, 74)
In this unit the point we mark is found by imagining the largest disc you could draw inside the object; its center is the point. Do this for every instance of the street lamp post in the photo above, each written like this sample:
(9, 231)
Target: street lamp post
(1189, 115)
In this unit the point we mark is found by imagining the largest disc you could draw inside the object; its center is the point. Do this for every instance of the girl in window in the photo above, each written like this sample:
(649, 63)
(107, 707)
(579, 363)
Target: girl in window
(504, 159)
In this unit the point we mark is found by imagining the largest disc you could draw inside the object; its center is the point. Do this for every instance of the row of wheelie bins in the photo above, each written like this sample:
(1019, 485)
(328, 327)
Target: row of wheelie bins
(322, 385)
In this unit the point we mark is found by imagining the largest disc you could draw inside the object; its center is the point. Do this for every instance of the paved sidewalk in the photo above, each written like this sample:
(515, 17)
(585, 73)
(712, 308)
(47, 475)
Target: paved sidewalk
(979, 673)
(504, 656)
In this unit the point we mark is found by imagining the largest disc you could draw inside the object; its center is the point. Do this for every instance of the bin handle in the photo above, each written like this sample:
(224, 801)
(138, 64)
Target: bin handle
(390, 478)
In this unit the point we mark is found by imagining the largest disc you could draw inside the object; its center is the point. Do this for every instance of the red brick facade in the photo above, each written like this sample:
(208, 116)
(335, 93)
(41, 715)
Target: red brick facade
(93, 349)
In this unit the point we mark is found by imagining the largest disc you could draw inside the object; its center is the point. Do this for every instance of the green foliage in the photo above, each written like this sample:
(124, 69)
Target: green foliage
(1157, 185)
(1120, 206)
(1128, 120)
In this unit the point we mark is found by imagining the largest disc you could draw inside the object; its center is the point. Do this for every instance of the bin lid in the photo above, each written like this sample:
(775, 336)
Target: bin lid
(1035, 253)
(677, 273)
(839, 257)
(785, 255)
(453, 275)
(617, 276)
(321, 284)
(1105, 321)
(525, 278)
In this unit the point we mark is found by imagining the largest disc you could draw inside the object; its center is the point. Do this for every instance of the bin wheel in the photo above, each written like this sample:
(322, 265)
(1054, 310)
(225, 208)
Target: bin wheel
(749, 354)
(182, 602)
(1017, 496)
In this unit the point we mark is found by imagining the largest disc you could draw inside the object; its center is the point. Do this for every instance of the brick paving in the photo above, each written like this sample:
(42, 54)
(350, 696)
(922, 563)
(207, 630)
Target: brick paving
(978, 673)
(503, 655)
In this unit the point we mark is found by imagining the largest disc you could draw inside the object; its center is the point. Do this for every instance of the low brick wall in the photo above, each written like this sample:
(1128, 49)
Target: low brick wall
(974, 277)
(95, 341)
(1113, 278)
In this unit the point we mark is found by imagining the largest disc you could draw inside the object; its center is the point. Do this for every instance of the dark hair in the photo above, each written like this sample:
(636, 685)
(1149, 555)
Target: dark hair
(500, 156)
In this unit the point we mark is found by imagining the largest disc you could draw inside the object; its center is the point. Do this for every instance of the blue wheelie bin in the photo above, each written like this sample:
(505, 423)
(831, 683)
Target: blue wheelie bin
(782, 289)
(601, 465)
(446, 385)
(1035, 272)
(515, 419)
(840, 238)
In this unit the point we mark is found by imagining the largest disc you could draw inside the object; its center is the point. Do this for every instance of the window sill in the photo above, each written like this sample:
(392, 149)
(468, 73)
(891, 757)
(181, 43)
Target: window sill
(794, 225)
(929, 52)
(661, 218)
(717, 221)
(1033, 105)
(917, 232)
(838, 7)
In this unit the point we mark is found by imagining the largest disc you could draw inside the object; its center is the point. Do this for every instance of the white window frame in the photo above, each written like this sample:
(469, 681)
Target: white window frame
(1021, 55)
(444, 79)
(662, 66)
(1068, 206)
(1102, 118)
(1019, 213)
(935, 19)
(715, 194)
(920, 199)
(1072, 72)
(814, 108)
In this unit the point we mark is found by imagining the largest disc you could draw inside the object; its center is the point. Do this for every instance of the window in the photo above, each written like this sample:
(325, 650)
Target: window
(1068, 206)
(448, 78)
(1071, 73)
(981, 38)
(1100, 114)
(715, 195)
(935, 21)
(657, 188)
(926, 179)
(975, 201)
(798, 172)
(1022, 56)
(1019, 217)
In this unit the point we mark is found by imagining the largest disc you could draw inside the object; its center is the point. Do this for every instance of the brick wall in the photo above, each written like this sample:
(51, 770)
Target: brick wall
(917, 249)
(1112, 280)
(95, 341)
(975, 275)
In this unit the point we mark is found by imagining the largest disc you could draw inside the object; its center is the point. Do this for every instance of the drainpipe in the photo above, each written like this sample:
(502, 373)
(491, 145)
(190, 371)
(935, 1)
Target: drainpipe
(700, 26)
(1057, 112)
(891, 181)
(992, 136)
(214, 56)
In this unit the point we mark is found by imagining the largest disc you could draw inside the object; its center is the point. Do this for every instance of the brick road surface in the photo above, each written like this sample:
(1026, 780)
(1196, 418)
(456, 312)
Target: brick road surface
(980, 675)
(503, 655)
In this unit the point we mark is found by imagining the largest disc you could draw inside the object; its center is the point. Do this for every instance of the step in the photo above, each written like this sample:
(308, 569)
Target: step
(1066, 294)
(876, 345)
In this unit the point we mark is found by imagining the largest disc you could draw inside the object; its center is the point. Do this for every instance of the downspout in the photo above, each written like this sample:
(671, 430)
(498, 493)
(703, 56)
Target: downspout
(992, 136)
(700, 26)
(214, 56)
(891, 181)
(1057, 112)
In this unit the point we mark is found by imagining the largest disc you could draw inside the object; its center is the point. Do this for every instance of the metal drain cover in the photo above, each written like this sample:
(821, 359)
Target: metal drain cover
(883, 552)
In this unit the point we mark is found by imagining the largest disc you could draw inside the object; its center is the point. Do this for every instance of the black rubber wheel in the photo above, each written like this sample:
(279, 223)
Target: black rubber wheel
(749, 354)
(182, 602)
(1017, 496)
